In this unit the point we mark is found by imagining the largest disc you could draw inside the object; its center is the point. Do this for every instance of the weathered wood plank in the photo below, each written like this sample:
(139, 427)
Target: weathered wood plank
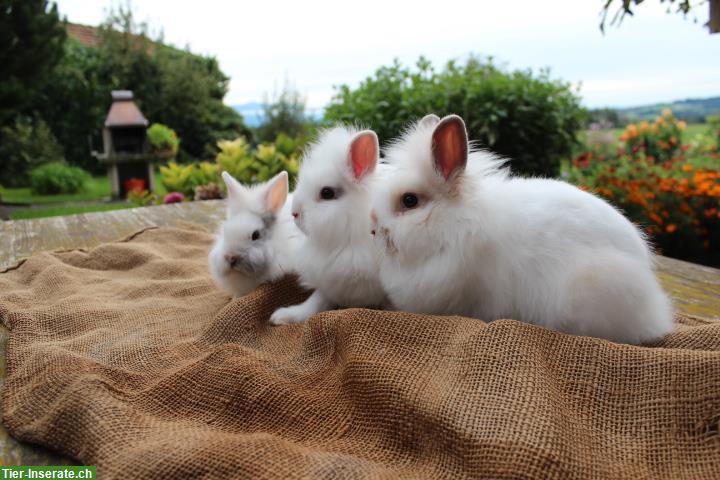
(22, 238)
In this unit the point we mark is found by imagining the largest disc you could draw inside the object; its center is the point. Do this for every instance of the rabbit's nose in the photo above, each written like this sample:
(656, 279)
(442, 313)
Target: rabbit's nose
(231, 259)
(295, 214)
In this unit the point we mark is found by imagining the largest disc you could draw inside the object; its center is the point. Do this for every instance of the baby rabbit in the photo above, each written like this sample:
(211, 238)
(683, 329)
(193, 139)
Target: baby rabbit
(258, 240)
(331, 205)
(474, 241)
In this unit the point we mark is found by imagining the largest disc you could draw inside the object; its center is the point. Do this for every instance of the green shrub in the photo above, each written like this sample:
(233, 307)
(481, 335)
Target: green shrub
(24, 146)
(57, 178)
(184, 178)
(261, 164)
(234, 156)
(531, 119)
(163, 139)
(142, 198)
(239, 160)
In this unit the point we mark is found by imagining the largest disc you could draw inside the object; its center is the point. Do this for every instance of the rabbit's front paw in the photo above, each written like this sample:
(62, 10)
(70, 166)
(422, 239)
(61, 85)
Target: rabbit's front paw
(287, 315)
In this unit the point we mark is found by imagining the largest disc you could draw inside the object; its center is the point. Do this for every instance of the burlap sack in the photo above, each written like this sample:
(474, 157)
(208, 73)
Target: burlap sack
(128, 358)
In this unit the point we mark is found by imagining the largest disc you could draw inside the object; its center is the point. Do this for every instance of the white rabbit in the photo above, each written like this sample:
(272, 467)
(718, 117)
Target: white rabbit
(331, 205)
(474, 241)
(257, 242)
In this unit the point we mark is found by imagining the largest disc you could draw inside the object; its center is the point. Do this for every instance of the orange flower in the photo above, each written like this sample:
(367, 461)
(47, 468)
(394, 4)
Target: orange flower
(671, 228)
(687, 168)
(656, 218)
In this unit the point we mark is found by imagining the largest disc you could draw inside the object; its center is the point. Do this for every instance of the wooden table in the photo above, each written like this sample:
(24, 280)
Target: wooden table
(694, 288)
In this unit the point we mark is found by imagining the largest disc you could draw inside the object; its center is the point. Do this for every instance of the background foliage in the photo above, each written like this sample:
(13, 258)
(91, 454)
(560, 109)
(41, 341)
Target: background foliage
(670, 189)
(284, 113)
(26, 144)
(58, 178)
(248, 165)
(532, 119)
(48, 77)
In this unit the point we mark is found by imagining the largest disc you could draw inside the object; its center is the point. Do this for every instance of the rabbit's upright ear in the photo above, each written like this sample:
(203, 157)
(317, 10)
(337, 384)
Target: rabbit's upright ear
(429, 120)
(235, 193)
(234, 188)
(364, 152)
(450, 146)
(277, 192)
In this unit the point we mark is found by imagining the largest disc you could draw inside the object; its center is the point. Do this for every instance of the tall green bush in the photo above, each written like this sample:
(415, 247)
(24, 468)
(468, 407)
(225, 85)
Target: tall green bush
(530, 118)
(23, 146)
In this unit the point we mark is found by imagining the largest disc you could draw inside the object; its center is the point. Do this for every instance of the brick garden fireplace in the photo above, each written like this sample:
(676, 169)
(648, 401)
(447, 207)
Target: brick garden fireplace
(126, 152)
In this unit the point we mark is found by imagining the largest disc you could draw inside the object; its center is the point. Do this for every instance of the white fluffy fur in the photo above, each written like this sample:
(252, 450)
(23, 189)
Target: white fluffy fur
(269, 257)
(337, 257)
(486, 245)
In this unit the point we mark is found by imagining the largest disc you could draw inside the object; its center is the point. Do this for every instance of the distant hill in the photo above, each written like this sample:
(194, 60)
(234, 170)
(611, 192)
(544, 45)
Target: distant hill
(252, 113)
(692, 110)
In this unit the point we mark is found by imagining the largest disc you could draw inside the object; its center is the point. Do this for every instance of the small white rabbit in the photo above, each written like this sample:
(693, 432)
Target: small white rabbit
(257, 242)
(331, 205)
(474, 241)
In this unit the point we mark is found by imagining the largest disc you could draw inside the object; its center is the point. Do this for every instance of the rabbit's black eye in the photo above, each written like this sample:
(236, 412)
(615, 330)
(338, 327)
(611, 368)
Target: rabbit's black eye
(409, 200)
(255, 235)
(327, 193)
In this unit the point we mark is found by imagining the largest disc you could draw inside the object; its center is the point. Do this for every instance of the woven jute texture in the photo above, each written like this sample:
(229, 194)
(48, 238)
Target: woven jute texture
(129, 358)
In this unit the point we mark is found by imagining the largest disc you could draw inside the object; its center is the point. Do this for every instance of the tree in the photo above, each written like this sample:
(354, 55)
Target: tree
(284, 113)
(683, 6)
(171, 86)
(31, 44)
(76, 98)
(529, 118)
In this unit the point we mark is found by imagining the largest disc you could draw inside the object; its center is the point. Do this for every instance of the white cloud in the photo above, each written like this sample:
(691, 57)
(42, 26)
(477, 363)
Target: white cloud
(319, 44)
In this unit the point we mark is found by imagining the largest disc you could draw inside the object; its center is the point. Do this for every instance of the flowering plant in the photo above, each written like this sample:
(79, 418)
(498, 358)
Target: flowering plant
(674, 198)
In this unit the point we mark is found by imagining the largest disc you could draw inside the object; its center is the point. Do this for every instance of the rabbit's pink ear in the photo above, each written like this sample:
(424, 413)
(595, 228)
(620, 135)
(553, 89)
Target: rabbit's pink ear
(277, 192)
(364, 152)
(450, 146)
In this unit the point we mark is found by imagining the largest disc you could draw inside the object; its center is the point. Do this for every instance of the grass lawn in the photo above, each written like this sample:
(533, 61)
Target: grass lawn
(96, 192)
(27, 213)
(98, 188)
(691, 131)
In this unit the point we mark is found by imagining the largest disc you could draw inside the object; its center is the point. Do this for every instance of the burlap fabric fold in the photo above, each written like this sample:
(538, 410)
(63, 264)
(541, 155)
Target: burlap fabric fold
(129, 358)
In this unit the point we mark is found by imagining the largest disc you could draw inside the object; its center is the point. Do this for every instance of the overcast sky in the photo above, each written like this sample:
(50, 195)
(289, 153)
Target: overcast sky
(652, 57)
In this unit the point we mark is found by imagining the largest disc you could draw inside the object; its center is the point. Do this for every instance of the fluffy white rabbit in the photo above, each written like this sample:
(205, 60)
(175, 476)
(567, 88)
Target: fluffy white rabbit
(258, 240)
(474, 241)
(331, 205)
